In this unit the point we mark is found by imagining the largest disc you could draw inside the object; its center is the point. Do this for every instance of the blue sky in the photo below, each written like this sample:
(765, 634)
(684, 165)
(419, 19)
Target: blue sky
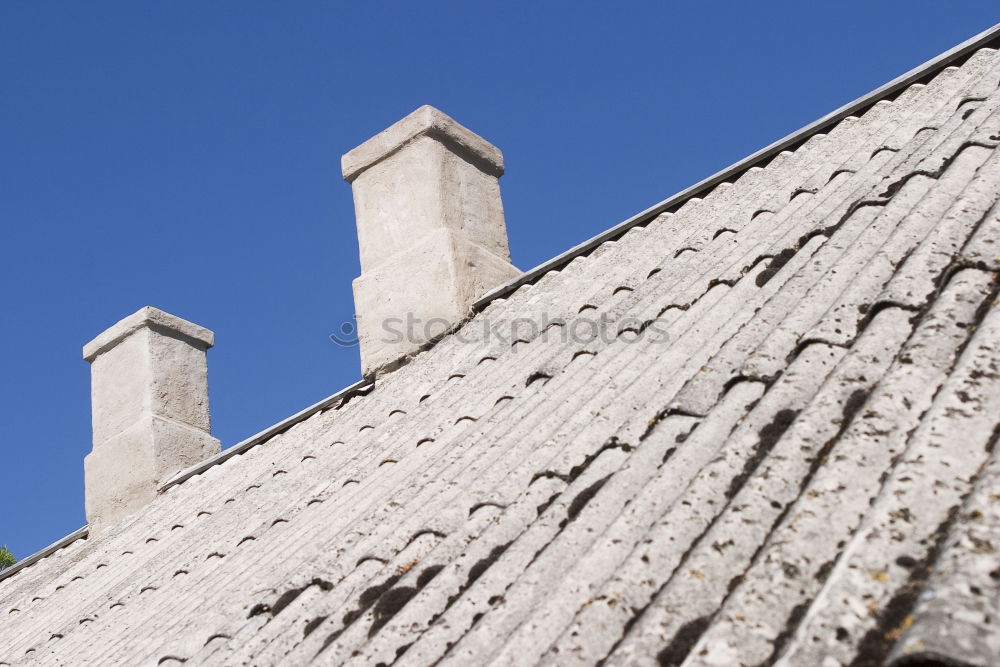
(186, 155)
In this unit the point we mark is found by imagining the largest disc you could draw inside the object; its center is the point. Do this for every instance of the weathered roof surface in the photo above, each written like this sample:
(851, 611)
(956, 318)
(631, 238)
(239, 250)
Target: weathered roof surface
(782, 452)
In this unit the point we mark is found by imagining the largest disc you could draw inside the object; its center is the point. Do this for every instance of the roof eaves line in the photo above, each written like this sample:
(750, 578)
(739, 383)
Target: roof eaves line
(263, 436)
(78, 534)
(791, 140)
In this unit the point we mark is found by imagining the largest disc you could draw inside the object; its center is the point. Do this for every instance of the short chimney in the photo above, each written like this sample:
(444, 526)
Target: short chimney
(431, 232)
(149, 397)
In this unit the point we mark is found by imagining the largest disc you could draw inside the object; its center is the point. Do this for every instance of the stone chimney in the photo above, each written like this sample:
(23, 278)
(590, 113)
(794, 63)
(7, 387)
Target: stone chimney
(149, 397)
(431, 231)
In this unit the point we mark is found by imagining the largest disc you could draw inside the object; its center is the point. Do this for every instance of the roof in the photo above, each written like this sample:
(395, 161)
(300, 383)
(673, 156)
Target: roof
(779, 448)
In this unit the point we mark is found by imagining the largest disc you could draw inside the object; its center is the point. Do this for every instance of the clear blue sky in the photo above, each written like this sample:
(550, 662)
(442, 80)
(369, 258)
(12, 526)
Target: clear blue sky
(186, 155)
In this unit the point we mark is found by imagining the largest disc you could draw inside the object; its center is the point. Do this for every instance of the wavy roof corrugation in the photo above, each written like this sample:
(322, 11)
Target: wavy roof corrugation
(782, 450)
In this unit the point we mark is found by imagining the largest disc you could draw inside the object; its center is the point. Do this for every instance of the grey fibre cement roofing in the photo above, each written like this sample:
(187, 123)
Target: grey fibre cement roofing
(782, 454)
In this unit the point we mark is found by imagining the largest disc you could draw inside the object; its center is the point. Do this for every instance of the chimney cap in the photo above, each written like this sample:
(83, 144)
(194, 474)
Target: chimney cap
(425, 121)
(146, 317)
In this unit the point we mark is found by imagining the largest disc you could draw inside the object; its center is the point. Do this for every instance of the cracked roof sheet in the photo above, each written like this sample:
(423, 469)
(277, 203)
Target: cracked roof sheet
(783, 453)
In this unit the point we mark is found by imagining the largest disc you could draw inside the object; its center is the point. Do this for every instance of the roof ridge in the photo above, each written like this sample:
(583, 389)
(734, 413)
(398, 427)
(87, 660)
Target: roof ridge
(988, 38)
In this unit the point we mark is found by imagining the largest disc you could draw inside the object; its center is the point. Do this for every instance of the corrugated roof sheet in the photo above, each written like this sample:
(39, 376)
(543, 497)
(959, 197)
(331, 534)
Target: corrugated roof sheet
(781, 452)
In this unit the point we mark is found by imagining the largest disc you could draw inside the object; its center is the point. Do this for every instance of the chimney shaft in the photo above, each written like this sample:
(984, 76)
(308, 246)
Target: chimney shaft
(149, 396)
(431, 232)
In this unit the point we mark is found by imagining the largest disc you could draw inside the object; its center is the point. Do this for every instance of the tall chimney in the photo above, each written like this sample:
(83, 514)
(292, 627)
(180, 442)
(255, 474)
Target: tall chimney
(149, 397)
(431, 231)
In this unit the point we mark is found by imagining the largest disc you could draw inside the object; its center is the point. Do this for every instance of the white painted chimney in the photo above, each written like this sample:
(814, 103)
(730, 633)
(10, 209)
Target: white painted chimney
(149, 398)
(431, 231)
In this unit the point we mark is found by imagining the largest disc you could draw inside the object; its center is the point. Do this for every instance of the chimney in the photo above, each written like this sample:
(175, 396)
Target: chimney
(149, 397)
(431, 232)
